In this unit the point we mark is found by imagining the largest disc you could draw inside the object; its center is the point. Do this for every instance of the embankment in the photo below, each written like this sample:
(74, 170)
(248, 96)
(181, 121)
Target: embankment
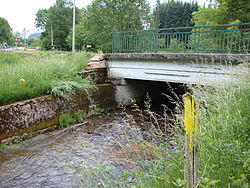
(42, 112)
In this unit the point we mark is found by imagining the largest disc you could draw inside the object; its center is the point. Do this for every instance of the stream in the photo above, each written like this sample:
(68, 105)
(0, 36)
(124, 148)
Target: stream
(93, 153)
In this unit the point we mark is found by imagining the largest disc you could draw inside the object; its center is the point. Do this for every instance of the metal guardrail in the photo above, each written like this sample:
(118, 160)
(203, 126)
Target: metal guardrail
(228, 38)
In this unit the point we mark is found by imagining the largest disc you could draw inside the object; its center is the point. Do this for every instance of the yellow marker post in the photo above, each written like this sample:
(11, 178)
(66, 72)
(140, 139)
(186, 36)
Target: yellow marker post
(191, 127)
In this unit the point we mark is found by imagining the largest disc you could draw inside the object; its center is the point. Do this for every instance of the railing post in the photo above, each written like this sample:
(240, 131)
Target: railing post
(195, 32)
(113, 42)
(156, 41)
(198, 39)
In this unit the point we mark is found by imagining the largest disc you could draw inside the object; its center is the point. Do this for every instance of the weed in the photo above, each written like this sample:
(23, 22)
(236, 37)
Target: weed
(80, 115)
(68, 118)
(94, 110)
(65, 120)
(17, 139)
(4, 145)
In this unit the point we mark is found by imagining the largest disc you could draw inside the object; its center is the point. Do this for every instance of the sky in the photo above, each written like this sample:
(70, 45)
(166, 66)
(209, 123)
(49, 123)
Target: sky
(22, 13)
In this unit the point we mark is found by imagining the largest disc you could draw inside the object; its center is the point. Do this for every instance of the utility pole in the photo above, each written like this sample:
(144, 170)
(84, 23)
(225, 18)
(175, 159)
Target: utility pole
(158, 3)
(74, 26)
(52, 37)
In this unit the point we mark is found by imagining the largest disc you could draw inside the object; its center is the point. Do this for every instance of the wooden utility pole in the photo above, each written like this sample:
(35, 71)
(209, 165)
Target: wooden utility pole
(52, 37)
(191, 126)
(74, 26)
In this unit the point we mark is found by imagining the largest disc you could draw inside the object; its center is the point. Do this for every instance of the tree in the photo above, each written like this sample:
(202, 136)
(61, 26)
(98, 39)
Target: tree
(235, 10)
(41, 18)
(223, 12)
(175, 13)
(5, 32)
(103, 17)
(56, 22)
(80, 38)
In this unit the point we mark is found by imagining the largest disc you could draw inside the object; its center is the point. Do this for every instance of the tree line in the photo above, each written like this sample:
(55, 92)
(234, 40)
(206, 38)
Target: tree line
(96, 22)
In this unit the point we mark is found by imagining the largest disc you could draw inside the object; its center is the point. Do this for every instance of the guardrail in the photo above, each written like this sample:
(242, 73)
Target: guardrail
(228, 38)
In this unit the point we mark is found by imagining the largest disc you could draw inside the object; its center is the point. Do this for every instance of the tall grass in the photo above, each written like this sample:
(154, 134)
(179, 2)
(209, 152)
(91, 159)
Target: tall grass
(225, 135)
(224, 153)
(24, 76)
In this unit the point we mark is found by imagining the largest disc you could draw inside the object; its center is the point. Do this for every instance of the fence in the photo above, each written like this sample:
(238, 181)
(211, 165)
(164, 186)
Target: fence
(233, 38)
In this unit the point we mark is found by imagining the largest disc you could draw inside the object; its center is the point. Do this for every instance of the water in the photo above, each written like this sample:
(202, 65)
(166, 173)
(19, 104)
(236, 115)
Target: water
(89, 155)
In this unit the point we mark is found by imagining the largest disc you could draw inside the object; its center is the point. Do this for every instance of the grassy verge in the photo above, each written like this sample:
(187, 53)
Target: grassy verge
(224, 139)
(224, 152)
(24, 76)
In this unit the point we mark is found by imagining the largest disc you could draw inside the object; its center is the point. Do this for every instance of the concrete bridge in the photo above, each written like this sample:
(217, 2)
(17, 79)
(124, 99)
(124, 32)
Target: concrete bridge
(134, 74)
(198, 65)
(187, 68)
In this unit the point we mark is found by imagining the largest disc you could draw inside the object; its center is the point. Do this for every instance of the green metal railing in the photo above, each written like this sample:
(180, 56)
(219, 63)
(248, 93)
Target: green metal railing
(232, 38)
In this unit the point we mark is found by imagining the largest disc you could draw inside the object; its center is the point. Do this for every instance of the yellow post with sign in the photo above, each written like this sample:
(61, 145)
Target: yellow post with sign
(191, 127)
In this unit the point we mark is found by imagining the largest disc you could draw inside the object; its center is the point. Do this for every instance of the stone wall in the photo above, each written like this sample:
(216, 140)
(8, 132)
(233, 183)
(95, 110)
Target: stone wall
(42, 112)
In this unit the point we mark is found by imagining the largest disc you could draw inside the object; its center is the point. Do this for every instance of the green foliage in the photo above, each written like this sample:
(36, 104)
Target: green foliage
(65, 120)
(105, 16)
(94, 110)
(68, 118)
(40, 71)
(79, 115)
(235, 10)
(4, 145)
(224, 139)
(5, 30)
(64, 88)
(175, 13)
(17, 139)
(41, 18)
(223, 12)
(8, 58)
(207, 16)
(34, 42)
(80, 38)
(56, 21)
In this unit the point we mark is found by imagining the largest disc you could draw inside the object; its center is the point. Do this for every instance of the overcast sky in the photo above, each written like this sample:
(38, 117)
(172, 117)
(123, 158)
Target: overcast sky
(21, 13)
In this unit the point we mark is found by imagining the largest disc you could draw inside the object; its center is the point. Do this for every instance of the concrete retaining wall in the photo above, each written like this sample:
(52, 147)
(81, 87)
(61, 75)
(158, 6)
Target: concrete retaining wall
(32, 115)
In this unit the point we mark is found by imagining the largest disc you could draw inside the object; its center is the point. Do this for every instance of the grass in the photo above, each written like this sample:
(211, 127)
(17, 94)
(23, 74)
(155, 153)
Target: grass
(68, 118)
(224, 139)
(16, 140)
(25, 76)
(224, 152)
